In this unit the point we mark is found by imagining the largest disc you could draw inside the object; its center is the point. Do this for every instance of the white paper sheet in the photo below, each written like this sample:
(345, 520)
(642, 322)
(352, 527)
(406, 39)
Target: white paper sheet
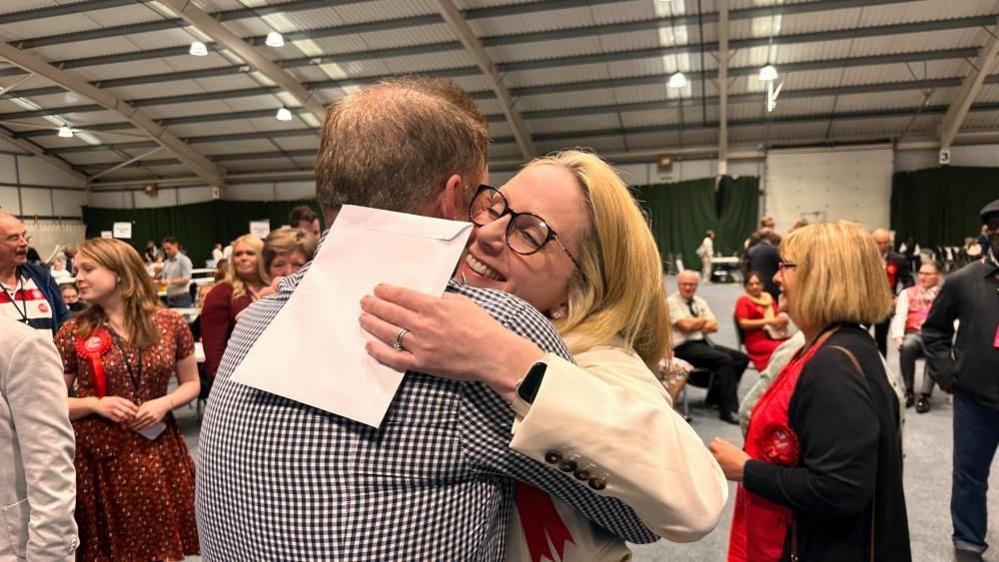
(313, 350)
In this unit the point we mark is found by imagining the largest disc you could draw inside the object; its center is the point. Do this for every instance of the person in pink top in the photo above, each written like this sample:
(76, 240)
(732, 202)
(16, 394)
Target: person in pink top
(911, 309)
(763, 327)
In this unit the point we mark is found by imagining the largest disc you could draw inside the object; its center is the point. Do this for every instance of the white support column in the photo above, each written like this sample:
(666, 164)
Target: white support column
(958, 110)
(473, 45)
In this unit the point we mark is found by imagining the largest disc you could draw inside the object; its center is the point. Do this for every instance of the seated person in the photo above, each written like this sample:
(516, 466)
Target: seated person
(692, 322)
(763, 327)
(911, 309)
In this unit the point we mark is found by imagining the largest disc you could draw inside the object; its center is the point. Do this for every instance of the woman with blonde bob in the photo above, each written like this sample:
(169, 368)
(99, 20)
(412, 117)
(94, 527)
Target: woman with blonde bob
(821, 473)
(566, 236)
(245, 277)
(135, 478)
(287, 250)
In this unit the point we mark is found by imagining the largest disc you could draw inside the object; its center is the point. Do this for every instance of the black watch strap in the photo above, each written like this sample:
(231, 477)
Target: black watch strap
(529, 386)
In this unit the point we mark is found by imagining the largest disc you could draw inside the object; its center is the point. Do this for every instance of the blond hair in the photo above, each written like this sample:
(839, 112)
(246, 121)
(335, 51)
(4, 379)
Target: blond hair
(287, 239)
(839, 275)
(233, 278)
(618, 290)
(138, 293)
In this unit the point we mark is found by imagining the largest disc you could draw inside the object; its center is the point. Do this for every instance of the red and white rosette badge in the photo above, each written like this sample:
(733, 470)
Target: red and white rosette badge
(780, 445)
(92, 349)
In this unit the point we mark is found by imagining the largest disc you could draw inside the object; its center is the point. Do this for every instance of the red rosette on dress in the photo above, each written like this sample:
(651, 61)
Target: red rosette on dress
(92, 349)
(780, 445)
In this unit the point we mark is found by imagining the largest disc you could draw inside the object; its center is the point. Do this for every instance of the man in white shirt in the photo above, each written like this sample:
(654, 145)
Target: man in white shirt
(911, 309)
(706, 251)
(177, 275)
(692, 322)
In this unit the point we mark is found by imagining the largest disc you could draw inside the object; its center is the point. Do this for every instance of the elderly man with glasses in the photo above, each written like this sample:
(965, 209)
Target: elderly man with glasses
(693, 321)
(28, 294)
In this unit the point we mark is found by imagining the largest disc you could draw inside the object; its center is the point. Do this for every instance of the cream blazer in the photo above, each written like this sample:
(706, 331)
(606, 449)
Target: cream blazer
(610, 414)
(37, 478)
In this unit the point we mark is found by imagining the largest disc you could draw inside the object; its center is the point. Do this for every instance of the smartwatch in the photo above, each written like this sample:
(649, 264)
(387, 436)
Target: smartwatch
(529, 386)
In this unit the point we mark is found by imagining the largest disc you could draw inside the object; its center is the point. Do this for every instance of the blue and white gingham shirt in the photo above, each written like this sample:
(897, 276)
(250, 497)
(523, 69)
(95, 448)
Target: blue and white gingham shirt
(279, 480)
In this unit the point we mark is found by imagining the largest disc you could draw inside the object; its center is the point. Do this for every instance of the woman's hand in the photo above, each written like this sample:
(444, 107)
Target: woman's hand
(116, 409)
(449, 337)
(781, 320)
(731, 458)
(150, 413)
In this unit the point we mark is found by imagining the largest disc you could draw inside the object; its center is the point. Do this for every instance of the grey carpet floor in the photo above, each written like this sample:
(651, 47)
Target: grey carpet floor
(927, 463)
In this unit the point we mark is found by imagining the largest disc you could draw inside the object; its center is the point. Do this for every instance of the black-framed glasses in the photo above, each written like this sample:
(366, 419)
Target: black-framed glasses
(526, 233)
(783, 265)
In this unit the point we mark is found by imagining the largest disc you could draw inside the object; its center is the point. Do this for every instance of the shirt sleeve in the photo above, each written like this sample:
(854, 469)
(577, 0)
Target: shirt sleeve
(664, 472)
(705, 309)
(938, 331)
(185, 267)
(215, 320)
(36, 396)
(744, 309)
(677, 311)
(838, 466)
(185, 340)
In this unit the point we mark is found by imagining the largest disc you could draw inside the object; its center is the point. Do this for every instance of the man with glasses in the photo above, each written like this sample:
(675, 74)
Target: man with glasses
(911, 308)
(693, 321)
(28, 294)
(969, 367)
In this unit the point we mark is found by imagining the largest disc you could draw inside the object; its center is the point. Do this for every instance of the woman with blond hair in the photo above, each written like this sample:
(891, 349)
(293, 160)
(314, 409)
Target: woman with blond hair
(245, 277)
(821, 473)
(287, 250)
(566, 236)
(135, 478)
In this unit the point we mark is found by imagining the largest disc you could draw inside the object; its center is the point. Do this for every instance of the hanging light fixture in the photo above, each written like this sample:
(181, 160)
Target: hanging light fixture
(65, 132)
(274, 39)
(768, 73)
(283, 114)
(677, 80)
(199, 49)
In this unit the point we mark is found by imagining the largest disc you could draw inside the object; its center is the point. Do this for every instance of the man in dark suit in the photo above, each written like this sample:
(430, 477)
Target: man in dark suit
(899, 278)
(763, 259)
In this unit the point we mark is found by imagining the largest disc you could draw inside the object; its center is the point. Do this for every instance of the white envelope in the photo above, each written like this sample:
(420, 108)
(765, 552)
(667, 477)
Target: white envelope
(313, 350)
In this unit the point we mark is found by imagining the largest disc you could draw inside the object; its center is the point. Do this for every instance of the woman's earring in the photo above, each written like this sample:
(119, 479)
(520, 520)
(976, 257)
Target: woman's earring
(557, 315)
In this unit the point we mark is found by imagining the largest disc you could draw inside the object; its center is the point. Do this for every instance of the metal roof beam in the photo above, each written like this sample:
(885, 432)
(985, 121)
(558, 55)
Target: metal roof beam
(587, 31)
(474, 47)
(722, 87)
(63, 10)
(34, 149)
(255, 58)
(972, 84)
(191, 158)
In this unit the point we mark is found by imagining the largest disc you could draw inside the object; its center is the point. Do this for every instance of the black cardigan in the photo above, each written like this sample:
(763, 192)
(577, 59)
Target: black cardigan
(851, 458)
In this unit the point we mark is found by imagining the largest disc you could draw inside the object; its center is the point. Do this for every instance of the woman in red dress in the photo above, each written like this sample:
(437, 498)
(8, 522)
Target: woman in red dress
(135, 478)
(243, 281)
(760, 322)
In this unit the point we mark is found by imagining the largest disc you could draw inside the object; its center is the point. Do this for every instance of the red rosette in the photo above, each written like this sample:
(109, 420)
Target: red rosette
(780, 446)
(892, 270)
(92, 349)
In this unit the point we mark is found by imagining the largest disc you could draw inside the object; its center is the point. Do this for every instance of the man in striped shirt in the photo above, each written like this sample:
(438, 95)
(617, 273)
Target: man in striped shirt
(28, 294)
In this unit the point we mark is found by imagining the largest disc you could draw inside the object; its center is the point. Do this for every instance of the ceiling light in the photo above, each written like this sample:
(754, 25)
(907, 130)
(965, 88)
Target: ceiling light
(768, 73)
(199, 49)
(678, 80)
(283, 114)
(274, 39)
(65, 132)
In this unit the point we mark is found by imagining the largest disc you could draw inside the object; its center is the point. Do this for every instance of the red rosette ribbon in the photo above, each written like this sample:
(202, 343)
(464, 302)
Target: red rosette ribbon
(780, 446)
(92, 349)
(540, 522)
(892, 270)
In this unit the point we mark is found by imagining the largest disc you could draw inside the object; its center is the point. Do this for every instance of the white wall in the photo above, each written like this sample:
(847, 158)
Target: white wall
(29, 186)
(829, 184)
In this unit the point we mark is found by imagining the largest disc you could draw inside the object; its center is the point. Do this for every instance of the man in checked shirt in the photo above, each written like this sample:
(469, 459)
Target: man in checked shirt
(279, 480)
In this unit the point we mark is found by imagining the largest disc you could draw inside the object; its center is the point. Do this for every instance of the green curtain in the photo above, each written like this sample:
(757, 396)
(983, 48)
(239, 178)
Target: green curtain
(197, 226)
(680, 213)
(939, 206)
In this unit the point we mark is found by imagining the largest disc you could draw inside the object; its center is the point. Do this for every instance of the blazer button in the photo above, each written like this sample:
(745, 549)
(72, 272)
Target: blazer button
(583, 474)
(567, 466)
(598, 483)
(553, 457)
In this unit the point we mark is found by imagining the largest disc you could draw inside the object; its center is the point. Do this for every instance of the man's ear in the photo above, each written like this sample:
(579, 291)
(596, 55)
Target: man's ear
(451, 202)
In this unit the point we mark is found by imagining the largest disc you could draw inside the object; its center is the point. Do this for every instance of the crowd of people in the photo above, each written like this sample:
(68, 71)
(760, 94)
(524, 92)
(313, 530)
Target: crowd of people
(531, 422)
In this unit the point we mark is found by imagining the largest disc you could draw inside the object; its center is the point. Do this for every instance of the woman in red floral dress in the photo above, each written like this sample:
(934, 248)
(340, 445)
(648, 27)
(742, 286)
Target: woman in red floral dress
(135, 478)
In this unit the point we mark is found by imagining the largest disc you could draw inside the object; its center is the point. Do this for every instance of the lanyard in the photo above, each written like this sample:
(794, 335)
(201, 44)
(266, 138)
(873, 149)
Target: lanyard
(13, 301)
(135, 376)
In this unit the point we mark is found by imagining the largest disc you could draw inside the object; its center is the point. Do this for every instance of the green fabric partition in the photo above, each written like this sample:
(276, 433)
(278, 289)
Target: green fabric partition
(939, 206)
(680, 213)
(197, 226)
